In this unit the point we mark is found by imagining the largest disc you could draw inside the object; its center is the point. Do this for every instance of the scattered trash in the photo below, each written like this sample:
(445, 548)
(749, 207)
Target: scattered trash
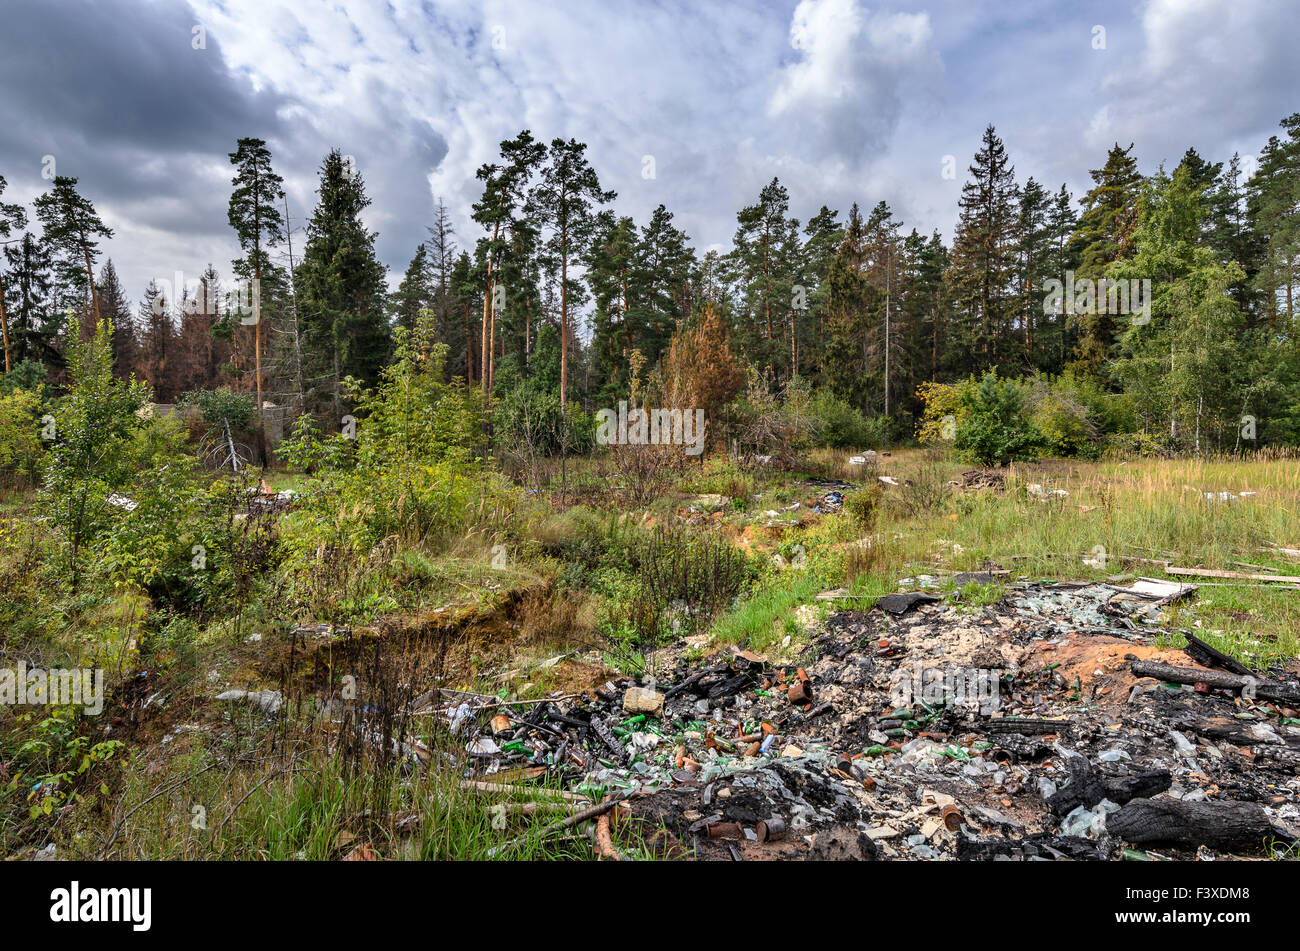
(643, 700)
(902, 603)
(1043, 726)
(269, 701)
(982, 479)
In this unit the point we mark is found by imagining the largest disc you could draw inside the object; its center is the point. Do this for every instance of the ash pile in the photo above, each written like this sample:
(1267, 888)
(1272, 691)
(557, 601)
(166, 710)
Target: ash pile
(1047, 726)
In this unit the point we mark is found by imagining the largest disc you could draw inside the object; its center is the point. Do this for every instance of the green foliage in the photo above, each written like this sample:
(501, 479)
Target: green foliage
(864, 504)
(53, 758)
(26, 375)
(994, 430)
(842, 426)
(90, 457)
(528, 419)
(219, 407)
(412, 468)
(161, 546)
(21, 452)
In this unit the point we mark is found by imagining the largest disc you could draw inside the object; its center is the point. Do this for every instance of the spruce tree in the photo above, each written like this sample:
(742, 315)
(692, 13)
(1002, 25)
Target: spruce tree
(341, 282)
(12, 216)
(564, 203)
(981, 275)
(1105, 236)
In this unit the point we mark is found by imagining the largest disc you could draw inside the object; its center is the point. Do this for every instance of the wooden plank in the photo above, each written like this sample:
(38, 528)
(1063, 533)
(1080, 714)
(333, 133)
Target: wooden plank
(1242, 576)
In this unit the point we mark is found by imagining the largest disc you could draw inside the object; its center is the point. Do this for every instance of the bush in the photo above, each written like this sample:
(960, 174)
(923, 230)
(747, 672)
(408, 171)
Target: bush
(944, 407)
(864, 504)
(993, 430)
(21, 451)
(528, 421)
(1065, 425)
(841, 426)
(768, 426)
(413, 468)
(220, 407)
(91, 454)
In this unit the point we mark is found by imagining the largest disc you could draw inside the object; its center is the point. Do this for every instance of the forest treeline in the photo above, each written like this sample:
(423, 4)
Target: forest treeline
(1155, 312)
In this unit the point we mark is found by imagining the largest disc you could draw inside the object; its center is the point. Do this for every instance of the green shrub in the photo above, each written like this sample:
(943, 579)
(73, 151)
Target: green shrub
(22, 453)
(220, 407)
(994, 430)
(412, 467)
(842, 426)
(528, 420)
(91, 455)
(864, 504)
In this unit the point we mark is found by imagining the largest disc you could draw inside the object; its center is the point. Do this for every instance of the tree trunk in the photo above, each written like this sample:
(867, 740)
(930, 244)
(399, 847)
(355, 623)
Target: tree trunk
(469, 348)
(90, 276)
(485, 353)
(293, 292)
(4, 328)
(564, 318)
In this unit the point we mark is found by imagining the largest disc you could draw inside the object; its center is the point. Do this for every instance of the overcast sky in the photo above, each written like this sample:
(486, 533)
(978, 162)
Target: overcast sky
(844, 100)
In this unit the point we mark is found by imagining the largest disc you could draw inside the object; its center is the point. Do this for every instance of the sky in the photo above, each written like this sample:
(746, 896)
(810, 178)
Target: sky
(693, 104)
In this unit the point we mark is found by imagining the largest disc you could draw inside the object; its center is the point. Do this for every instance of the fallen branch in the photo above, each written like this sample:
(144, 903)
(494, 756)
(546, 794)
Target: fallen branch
(1087, 788)
(591, 812)
(477, 786)
(605, 841)
(1267, 689)
(1239, 575)
(1208, 656)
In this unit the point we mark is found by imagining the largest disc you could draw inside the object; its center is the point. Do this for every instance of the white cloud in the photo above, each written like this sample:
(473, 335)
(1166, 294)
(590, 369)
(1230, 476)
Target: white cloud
(844, 95)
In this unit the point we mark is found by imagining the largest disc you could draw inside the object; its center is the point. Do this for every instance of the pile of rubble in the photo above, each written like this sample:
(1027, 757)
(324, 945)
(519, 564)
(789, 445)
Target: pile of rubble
(1047, 726)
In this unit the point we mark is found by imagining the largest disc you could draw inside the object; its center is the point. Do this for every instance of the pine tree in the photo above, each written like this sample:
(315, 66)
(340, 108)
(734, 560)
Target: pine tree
(613, 279)
(823, 235)
(851, 302)
(1062, 223)
(255, 216)
(466, 286)
(661, 268)
(72, 228)
(765, 279)
(1274, 199)
(505, 187)
(1034, 267)
(883, 265)
(116, 308)
(1105, 236)
(415, 292)
(33, 318)
(157, 340)
(441, 247)
(564, 203)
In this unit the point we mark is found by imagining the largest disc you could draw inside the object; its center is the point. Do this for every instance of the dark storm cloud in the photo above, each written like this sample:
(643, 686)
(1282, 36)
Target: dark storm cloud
(115, 91)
